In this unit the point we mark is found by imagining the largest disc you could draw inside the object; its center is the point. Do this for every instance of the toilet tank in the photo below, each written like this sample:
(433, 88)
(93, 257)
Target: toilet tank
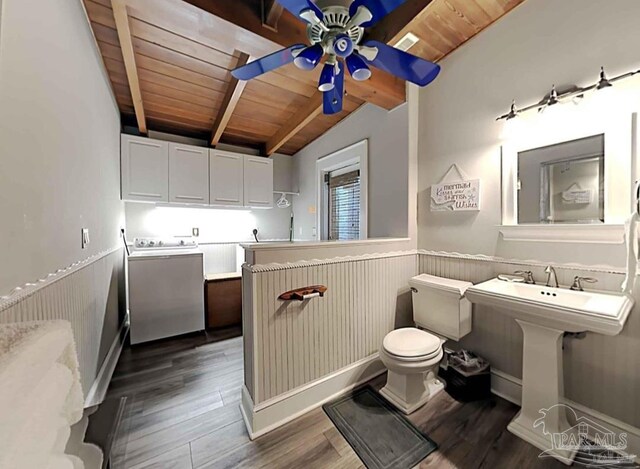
(439, 305)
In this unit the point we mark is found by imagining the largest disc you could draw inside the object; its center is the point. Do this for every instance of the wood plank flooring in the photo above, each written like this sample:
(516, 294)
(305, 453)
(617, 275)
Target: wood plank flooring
(183, 413)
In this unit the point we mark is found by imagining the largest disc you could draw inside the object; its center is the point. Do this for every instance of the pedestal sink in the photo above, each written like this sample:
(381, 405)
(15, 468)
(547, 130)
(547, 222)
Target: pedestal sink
(545, 314)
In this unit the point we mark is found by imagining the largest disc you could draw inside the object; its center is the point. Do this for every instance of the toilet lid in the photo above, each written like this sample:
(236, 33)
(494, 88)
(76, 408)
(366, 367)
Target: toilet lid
(411, 342)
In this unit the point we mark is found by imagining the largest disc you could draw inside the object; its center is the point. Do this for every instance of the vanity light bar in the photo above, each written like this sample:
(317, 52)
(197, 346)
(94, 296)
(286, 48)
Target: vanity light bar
(553, 97)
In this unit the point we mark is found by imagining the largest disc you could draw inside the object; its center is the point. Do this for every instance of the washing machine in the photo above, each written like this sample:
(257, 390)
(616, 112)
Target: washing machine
(166, 288)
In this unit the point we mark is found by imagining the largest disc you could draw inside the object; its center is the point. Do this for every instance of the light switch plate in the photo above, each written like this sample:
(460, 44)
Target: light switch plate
(85, 237)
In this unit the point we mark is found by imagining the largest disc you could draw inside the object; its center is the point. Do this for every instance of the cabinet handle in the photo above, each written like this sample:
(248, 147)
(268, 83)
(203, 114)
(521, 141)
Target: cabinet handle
(220, 199)
(143, 194)
(189, 197)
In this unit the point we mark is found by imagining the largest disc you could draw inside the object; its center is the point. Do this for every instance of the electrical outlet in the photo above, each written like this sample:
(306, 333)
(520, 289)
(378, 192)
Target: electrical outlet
(85, 237)
(195, 232)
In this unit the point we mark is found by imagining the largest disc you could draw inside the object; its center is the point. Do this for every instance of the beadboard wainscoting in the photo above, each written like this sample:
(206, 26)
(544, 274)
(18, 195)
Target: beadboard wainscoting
(301, 353)
(220, 258)
(88, 294)
(600, 372)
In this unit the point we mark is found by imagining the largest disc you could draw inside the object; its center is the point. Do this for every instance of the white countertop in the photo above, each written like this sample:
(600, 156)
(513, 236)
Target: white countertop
(320, 244)
(223, 276)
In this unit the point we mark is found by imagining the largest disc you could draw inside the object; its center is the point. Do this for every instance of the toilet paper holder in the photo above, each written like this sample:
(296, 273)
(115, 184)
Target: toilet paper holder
(304, 293)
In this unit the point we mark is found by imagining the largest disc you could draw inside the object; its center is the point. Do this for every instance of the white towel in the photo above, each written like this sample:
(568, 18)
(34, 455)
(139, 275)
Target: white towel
(631, 237)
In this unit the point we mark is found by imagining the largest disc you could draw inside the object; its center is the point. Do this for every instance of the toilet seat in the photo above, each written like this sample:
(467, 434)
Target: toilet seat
(411, 344)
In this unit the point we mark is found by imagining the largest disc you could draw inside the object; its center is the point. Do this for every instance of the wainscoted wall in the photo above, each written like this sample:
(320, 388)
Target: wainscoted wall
(296, 343)
(88, 295)
(600, 372)
(221, 257)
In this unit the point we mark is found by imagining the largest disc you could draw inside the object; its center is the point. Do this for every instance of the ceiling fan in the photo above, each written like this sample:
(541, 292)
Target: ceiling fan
(337, 30)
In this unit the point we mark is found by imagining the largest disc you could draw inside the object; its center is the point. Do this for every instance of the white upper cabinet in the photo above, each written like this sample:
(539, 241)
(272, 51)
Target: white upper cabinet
(188, 174)
(258, 182)
(145, 169)
(159, 171)
(226, 176)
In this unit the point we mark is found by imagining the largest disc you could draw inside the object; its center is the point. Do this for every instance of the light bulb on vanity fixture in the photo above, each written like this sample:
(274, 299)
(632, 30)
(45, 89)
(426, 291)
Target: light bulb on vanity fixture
(604, 97)
(512, 123)
(551, 100)
(604, 82)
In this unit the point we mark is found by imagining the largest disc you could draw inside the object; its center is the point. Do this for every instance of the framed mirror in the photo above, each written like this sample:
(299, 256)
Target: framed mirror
(562, 183)
(569, 179)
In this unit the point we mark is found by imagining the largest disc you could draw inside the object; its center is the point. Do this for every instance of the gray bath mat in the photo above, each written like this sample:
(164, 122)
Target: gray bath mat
(380, 435)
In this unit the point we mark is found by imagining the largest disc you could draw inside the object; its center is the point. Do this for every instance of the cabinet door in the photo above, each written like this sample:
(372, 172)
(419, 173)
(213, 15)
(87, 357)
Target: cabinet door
(258, 182)
(144, 169)
(188, 174)
(226, 178)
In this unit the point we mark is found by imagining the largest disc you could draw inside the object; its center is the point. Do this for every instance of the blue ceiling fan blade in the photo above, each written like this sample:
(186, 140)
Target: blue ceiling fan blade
(378, 8)
(266, 63)
(332, 100)
(298, 6)
(403, 65)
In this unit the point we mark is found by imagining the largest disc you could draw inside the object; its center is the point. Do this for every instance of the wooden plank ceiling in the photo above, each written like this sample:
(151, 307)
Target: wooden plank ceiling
(169, 63)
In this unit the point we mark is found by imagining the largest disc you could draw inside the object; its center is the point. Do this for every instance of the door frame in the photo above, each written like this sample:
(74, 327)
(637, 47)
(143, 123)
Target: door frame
(358, 153)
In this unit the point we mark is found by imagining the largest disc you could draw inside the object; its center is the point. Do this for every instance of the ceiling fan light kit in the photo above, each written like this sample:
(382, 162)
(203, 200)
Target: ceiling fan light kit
(358, 69)
(327, 77)
(337, 30)
(309, 57)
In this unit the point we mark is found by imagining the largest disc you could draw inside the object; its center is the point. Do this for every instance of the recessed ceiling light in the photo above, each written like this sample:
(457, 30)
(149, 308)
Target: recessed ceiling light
(406, 42)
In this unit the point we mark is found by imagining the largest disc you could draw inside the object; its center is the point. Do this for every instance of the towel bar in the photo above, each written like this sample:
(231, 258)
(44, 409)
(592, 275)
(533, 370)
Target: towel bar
(304, 293)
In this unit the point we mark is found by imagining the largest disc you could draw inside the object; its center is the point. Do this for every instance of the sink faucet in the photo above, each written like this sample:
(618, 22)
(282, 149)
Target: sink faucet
(527, 275)
(577, 282)
(551, 272)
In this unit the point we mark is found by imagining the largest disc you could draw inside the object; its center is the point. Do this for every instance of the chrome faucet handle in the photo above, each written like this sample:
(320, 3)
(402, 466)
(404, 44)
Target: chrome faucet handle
(577, 282)
(527, 275)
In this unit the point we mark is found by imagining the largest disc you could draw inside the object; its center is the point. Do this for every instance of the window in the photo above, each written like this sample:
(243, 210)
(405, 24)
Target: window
(343, 198)
(342, 194)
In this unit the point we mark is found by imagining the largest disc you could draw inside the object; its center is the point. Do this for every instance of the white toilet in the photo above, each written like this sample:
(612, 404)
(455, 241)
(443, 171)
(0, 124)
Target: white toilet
(413, 355)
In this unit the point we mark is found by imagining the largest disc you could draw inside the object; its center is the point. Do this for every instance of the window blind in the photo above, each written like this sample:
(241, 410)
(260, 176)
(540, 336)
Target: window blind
(344, 206)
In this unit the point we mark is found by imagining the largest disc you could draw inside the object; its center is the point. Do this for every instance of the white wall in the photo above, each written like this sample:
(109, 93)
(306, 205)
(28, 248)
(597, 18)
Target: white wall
(387, 132)
(59, 152)
(539, 43)
(59, 128)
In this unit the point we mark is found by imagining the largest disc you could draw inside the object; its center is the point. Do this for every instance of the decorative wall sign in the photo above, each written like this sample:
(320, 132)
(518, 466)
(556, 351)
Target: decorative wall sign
(458, 195)
(576, 195)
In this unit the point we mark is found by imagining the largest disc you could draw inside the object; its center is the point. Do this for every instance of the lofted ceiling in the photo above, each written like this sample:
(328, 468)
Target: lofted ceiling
(169, 63)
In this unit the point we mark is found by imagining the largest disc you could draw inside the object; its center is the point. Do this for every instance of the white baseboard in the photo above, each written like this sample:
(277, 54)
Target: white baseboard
(271, 414)
(510, 388)
(100, 385)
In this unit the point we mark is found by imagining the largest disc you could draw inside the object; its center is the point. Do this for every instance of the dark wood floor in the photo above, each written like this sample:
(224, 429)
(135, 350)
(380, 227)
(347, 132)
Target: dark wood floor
(183, 412)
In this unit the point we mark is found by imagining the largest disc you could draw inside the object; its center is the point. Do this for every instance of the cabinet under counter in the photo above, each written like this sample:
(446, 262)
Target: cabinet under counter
(223, 299)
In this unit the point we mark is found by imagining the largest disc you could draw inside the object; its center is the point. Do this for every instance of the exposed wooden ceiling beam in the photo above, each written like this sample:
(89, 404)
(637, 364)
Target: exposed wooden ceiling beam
(271, 13)
(301, 118)
(126, 44)
(229, 102)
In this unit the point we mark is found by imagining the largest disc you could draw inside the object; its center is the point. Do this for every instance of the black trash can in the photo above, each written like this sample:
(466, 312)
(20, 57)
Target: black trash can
(467, 375)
